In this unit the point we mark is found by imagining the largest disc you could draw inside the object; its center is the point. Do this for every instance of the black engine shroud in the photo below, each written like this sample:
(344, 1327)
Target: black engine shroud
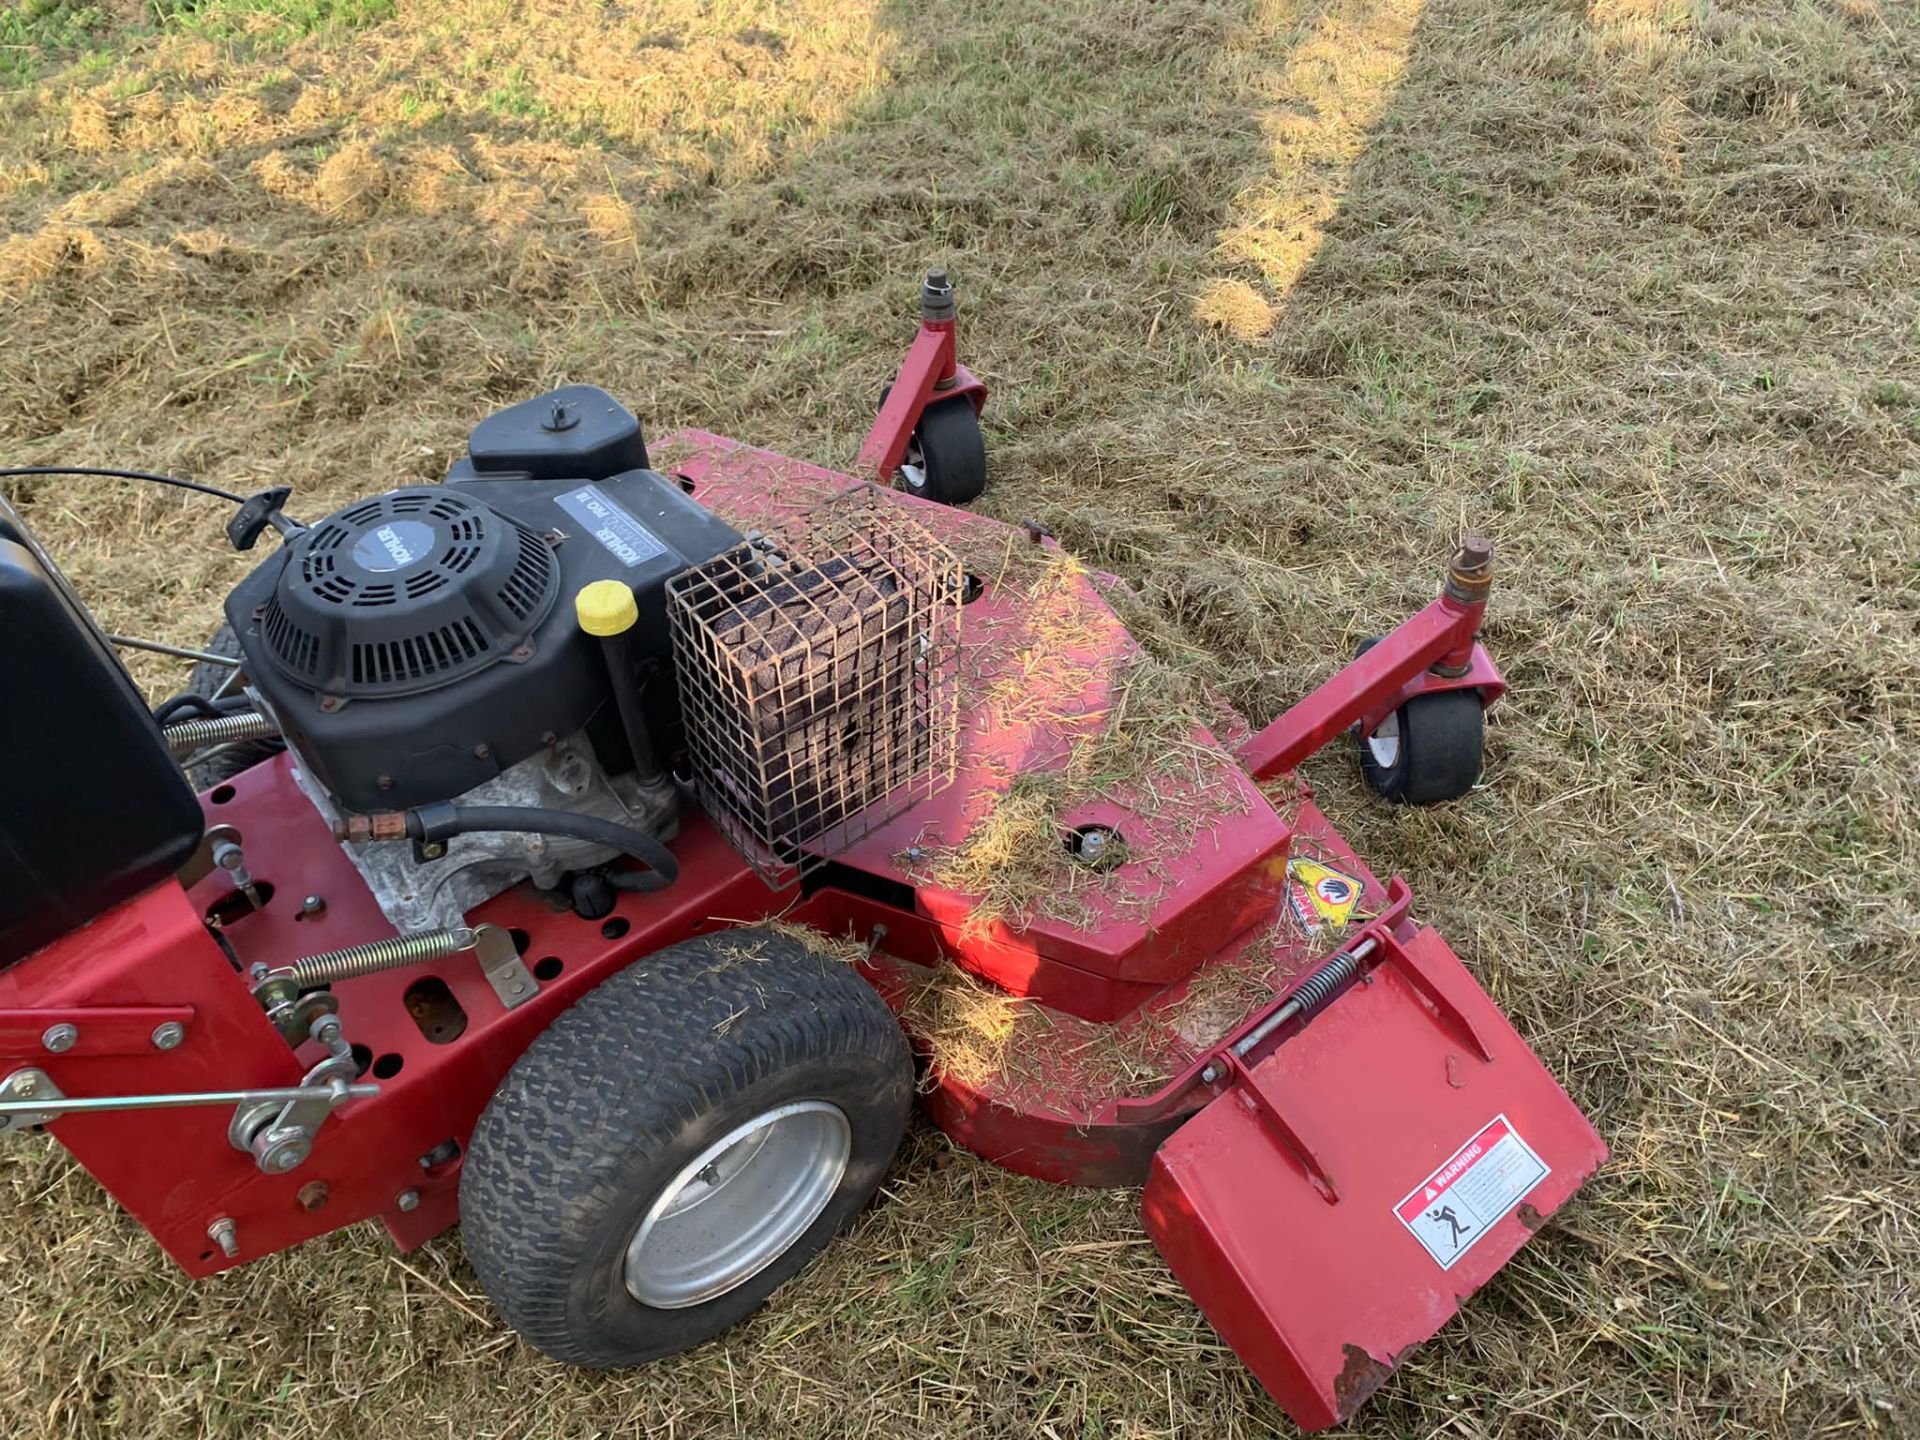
(415, 644)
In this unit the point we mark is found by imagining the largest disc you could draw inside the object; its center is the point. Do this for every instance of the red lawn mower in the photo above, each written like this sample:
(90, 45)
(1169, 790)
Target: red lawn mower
(567, 860)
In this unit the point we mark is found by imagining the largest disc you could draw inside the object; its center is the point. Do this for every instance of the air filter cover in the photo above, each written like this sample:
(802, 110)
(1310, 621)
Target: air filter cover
(407, 592)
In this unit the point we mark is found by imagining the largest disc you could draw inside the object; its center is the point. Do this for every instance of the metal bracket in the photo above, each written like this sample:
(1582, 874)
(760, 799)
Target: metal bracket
(22, 1086)
(500, 962)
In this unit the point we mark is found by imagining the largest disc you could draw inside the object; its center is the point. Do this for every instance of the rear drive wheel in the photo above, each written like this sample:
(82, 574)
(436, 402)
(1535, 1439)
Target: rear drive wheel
(679, 1144)
(1428, 751)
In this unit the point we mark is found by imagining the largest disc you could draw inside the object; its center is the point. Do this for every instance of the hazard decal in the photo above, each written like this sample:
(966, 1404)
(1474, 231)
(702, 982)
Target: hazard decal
(1453, 1207)
(1321, 895)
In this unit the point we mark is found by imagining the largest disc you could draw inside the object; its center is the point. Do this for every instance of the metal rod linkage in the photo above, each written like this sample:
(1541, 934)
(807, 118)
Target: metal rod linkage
(178, 651)
(70, 1105)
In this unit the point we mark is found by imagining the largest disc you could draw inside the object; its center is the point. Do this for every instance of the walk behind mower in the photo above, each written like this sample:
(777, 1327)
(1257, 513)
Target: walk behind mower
(600, 848)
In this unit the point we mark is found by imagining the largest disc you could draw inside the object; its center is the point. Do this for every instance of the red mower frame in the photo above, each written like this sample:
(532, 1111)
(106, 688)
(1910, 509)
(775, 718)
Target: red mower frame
(1274, 1154)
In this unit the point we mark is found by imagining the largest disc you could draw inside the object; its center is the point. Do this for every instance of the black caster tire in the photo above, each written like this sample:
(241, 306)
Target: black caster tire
(1429, 751)
(946, 461)
(679, 1144)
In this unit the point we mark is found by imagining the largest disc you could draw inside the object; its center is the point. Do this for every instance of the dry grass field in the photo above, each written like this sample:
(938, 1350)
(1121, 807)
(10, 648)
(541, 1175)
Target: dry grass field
(1277, 297)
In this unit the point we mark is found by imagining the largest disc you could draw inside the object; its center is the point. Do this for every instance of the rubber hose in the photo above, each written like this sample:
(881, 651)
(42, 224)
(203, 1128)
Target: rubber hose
(441, 821)
(200, 704)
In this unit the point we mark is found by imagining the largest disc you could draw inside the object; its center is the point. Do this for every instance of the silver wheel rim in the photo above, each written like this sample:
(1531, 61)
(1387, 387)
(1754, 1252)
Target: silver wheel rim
(739, 1205)
(913, 466)
(1384, 742)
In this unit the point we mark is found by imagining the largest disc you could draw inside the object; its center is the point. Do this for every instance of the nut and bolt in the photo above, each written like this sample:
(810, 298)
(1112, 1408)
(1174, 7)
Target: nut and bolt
(325, 1029)
(1470, 575)
(226, 1235)
(482, 751)
(407, 1200)
(60, 1037)
(168, 1034)
(313, 905)
(312, 1195)
(936, 296)
(433, 850)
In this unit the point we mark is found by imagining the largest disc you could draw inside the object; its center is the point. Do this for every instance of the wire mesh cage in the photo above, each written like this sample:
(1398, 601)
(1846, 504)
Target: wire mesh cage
(819, 680)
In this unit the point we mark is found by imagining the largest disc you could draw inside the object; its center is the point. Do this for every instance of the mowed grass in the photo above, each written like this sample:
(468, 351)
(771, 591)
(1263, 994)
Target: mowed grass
(1277, 297)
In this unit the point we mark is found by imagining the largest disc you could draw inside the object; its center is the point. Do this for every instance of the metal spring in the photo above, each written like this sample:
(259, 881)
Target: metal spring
(333, 966)
(1310, 996)
(191, 735)
(1315, 989)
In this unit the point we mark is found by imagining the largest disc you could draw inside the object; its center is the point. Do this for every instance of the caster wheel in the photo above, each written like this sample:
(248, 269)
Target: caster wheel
(946, 460)
(1428, 751)
(679, 1144)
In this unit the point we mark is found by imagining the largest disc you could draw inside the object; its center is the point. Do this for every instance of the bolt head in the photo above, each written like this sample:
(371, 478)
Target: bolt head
(407, 1200)
(60, 1037)
(168, 1035)
(312, 1195)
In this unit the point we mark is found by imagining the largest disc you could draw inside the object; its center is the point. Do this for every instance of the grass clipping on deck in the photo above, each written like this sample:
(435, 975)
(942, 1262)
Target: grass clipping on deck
(1140, 752)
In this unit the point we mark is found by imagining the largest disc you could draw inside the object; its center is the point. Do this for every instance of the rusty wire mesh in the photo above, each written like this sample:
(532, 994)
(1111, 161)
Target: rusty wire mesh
(819, 680)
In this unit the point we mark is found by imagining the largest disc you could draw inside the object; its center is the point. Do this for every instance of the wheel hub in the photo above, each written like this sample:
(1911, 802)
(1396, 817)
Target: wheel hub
(739, 1205)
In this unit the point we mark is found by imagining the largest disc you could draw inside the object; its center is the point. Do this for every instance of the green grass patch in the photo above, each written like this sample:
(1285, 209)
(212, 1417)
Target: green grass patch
(38, 33)
(272, 21)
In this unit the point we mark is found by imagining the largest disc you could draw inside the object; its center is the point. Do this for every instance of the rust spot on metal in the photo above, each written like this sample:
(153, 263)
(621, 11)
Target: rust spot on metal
(1530, 1217)
(1358, 1379)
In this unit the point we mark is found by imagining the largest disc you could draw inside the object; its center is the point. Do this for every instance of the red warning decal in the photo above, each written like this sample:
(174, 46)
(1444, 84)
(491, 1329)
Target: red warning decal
(1453, 1207)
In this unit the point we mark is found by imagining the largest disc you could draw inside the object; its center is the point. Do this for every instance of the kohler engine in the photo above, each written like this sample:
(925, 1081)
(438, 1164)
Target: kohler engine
(422, 654)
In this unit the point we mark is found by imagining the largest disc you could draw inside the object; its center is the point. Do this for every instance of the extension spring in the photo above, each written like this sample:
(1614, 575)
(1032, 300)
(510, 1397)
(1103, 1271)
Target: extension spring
(191, 735)
(335, 965)
(1315, 989)
(1313, 992)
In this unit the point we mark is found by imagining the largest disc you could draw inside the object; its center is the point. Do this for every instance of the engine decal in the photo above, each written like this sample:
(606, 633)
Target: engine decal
(619, 533)
(1453, 1207)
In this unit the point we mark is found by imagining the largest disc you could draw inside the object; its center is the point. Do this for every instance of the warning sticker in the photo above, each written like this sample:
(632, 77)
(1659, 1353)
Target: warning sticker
(1320, 895)
(1486, 1177)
